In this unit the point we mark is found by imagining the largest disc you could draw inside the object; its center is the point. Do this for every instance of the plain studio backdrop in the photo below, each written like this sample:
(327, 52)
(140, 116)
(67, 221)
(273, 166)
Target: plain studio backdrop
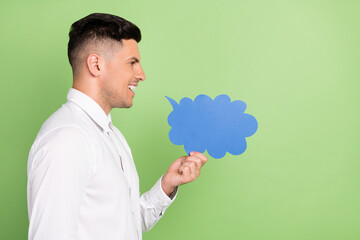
(295, 64)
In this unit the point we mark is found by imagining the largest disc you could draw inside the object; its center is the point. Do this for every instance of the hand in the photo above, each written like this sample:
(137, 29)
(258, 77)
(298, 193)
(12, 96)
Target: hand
(183, 170)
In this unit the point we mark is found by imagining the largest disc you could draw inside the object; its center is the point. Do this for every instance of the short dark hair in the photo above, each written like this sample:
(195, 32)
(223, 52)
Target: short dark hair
(98, 27)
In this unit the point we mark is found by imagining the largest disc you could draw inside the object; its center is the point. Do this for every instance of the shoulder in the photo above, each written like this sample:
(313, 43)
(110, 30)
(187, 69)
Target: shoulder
(62, 140)
(65, 147)
(67, 115)
(68, 120)
(64, 136)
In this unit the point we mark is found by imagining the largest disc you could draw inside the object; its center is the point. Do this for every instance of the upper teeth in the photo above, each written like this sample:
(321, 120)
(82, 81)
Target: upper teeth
(132, 87)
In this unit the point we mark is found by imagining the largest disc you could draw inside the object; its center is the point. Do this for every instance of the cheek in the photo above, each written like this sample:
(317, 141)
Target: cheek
(115, 76)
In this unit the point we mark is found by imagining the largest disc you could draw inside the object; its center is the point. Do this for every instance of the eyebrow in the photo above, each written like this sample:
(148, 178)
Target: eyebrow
(134, 58)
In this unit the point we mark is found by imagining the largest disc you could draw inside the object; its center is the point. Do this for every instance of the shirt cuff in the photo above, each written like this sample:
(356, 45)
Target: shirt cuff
(159, 198)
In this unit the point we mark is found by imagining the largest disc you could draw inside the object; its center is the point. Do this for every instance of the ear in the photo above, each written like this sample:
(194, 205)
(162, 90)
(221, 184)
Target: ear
(93, 64)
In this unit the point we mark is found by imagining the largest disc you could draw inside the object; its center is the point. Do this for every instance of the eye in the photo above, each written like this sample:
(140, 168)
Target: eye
(132, 63)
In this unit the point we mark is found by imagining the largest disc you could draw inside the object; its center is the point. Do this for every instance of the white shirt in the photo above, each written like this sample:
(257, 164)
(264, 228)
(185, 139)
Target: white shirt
(82, 180)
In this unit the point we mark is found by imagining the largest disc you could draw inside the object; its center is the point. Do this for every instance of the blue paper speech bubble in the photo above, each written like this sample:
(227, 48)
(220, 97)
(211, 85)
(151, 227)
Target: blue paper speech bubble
(218, 125)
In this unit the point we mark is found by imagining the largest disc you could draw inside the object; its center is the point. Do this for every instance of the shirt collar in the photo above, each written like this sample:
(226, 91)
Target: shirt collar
(91, 107)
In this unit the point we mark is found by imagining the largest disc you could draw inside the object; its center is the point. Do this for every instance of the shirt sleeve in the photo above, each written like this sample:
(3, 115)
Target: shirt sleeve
(153, 204)
(59, 167)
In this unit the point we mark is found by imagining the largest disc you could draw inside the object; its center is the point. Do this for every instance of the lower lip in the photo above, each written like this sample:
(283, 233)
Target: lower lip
(132, 93)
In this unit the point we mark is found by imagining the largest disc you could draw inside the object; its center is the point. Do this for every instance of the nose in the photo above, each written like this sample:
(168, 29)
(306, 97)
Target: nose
(140, 75)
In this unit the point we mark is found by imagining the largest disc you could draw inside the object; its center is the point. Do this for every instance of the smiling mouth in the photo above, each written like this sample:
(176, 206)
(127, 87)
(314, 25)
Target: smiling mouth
(132, 89)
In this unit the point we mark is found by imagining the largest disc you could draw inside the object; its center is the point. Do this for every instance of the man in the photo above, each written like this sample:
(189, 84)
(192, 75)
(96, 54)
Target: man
(82, 181)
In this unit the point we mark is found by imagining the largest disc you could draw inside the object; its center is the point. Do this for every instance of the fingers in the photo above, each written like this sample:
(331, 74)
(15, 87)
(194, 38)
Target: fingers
(200, 156)
(191, 167)
(188, 171)
(178, 162)
(195, 162)
(185, 169)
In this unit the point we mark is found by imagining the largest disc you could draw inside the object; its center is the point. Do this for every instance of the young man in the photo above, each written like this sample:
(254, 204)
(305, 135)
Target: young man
(82, 181)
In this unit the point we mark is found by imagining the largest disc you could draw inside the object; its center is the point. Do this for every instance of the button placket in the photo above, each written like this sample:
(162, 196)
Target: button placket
(111, 135)
(121, 151)
(117, 141)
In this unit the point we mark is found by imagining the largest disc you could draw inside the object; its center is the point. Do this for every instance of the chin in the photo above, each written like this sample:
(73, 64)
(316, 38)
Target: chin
(124, 105)
(128, 105)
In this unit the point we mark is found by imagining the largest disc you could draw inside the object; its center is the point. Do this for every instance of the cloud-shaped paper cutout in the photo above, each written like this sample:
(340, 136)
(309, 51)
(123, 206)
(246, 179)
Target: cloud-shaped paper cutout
(218, 125)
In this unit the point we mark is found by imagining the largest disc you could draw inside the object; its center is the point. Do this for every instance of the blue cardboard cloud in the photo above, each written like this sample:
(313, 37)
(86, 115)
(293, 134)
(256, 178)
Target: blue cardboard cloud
(218, 125)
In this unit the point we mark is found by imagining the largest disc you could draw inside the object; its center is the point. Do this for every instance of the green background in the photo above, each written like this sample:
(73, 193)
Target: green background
(295, 64)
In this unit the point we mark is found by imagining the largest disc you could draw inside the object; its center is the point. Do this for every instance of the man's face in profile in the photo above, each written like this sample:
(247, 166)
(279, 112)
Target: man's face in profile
(122, 74)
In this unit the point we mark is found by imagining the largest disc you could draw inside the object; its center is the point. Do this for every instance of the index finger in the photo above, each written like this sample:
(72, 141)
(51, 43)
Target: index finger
(199, 155)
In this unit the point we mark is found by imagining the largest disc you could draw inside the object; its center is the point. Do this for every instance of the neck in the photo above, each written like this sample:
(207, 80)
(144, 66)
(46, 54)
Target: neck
(91, 89)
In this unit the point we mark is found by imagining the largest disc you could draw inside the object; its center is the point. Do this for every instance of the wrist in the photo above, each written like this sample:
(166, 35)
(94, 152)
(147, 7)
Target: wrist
(167, 188)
